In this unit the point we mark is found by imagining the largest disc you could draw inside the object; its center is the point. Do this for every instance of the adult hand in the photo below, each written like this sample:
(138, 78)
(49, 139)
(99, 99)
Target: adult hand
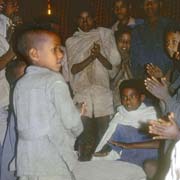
(154, 71)
(163, 129)
(157, 88)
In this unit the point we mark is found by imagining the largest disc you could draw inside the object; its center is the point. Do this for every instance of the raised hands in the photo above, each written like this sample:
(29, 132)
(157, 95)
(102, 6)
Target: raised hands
(163, 129)
(154, 71)
(95, 51)
(157, 88)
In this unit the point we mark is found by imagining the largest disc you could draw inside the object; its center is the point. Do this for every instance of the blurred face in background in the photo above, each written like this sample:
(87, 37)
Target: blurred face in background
(85, 21)
(124, 42)
(121, 10)
(11, 7)
(151, 7)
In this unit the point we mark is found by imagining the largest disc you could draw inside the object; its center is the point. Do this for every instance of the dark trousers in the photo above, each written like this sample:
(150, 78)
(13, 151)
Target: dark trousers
(94, 129)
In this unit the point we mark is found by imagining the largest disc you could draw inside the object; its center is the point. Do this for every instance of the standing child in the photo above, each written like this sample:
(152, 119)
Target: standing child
(123, 41)
(47, 120)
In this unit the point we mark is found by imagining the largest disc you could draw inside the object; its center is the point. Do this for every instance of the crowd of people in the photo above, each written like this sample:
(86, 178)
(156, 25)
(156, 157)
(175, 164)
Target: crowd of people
(103, 106)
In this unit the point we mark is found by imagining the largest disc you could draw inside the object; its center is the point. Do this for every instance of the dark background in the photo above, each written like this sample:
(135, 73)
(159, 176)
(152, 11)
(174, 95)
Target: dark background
(63, 11)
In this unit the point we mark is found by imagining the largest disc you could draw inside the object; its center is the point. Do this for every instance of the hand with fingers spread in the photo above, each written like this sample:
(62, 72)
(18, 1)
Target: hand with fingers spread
(154, 71)
(157, 88)
(163, 129)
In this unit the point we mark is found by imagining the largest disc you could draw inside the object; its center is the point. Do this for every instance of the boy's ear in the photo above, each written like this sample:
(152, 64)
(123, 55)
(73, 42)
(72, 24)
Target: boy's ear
(142, 97)
(33, 54)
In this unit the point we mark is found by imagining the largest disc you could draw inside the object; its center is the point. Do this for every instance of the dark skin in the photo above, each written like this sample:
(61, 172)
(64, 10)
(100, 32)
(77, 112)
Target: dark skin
(151, 9)
(86, 22)
(154, 144)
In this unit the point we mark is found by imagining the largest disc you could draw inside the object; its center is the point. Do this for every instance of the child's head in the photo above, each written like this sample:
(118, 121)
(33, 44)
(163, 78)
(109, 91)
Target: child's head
(172, 40)
(123, 39)
(121, 9)
(40, 47)
(131, 93)
(14, 70)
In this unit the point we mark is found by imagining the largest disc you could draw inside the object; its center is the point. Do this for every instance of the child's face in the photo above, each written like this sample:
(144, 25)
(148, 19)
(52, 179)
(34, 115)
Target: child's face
(131, 99)
(48, 53)
(172, 41)
(124, 42)
(85, 21)
(121, 10)
(151, 7)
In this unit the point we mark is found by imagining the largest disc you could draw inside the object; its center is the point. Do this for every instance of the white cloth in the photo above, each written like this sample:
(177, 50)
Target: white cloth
(4, 25)
(174, 170)
(47, 123)
(4, 89)
(91, 85)
(134, 118)
(115, 25)
(65, 67)
(108, 170)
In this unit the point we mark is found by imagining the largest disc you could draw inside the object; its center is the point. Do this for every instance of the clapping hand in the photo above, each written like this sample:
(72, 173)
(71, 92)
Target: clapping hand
(154, 71)
(157, 88)
(163, 129)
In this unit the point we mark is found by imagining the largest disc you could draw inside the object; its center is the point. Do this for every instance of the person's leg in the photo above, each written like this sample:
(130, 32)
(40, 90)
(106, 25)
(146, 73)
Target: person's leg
(102, 125)
(150, 167)
(86, 141)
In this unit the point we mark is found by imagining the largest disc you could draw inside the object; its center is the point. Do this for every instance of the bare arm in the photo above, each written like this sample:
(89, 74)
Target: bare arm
(96, 51)
(80, 66)
(153, 144)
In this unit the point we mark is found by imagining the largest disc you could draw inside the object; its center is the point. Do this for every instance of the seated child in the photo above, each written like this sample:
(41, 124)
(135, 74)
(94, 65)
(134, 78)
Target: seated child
(123, 41)
(126, 125)
(14, 70)
(47, 120)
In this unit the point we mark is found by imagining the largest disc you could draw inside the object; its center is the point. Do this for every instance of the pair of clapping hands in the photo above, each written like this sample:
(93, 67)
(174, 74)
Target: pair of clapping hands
(95, 50)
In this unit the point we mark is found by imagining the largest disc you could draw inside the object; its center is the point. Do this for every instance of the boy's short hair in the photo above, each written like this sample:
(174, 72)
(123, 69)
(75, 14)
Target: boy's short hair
(126, 2)
(84, 6)
(172, 28)
(121, 31)
(27, 37)
(136, 84)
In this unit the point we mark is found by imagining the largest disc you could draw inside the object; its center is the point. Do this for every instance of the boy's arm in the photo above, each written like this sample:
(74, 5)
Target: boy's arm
(66, 108)
(153, 144)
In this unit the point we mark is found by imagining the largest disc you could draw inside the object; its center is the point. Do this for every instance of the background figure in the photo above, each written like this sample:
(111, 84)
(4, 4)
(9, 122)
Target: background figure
(123, 41)
(14, 70)
(92, 53)
(6, 55)
(121, 10)
(148, 40)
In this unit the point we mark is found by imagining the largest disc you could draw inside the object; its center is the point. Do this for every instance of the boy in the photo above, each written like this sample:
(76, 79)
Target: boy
(92, 53)
(121, 10)
(47, 120)
(126, 125)
(123, 41)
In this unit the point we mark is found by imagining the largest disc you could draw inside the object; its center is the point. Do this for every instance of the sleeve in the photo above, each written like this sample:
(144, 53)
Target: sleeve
(64, 106)
(172, 104)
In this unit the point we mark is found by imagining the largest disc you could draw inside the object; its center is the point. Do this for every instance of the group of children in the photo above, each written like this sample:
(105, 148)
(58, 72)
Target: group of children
(46, 119)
